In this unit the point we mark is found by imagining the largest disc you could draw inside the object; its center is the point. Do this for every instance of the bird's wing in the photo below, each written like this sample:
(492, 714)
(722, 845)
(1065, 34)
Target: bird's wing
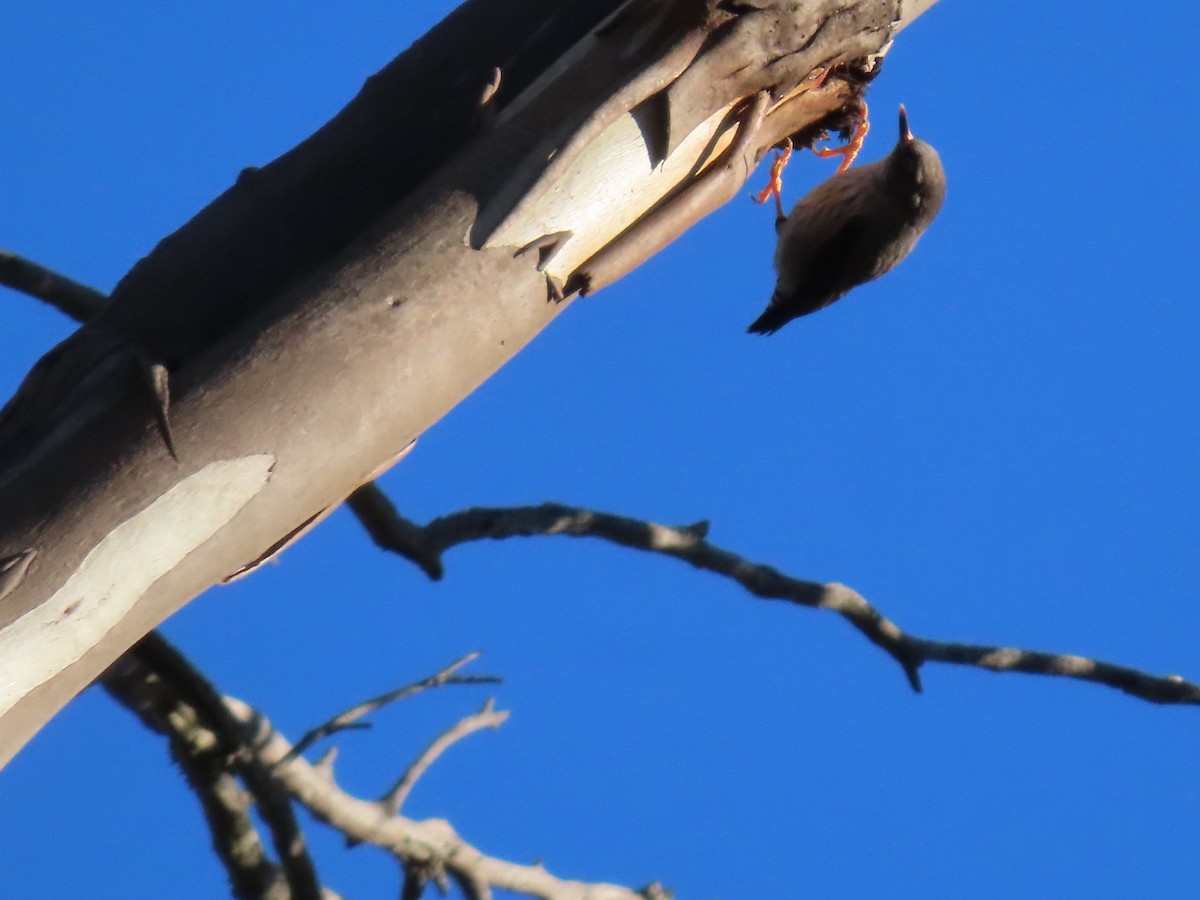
(831, 271)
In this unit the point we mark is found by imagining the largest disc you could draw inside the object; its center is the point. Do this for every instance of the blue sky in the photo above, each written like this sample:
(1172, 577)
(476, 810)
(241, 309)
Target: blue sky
(996, 443)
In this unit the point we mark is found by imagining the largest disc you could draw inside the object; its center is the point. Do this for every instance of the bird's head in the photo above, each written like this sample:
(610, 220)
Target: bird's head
(915, 169)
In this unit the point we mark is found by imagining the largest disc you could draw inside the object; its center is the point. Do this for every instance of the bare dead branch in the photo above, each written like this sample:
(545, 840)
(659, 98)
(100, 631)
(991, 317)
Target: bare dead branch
(431, 846)
(688, 543)
(349, 718)
(391, 531)
(488, 717)
(169, 695)
(240, 740)
(224, 802)
(76, 300)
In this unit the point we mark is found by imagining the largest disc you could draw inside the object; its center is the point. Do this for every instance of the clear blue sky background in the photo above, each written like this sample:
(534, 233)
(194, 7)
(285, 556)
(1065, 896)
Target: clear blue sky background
(996, 443)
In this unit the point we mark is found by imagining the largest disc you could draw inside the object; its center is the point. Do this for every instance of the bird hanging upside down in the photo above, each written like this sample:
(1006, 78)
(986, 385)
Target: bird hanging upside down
(851, 228)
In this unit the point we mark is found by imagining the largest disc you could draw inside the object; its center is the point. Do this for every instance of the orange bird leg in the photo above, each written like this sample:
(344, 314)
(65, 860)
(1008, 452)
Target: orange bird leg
(850, 151)
(775, 181)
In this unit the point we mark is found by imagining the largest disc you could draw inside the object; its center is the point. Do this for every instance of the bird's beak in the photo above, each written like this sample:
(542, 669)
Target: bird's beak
(905, 134)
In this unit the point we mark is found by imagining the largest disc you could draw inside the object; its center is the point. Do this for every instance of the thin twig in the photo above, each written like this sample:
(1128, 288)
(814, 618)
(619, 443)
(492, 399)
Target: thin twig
(488, 717)
(349, 718)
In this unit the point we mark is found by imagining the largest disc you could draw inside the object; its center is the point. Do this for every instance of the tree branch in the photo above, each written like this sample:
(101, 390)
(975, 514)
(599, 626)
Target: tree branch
(391, 531)
(488, 717)
(76, 300)
(224, 802)
(170, 696)
(428, 847)
(688, 543)
(158, 684)
(349, 718)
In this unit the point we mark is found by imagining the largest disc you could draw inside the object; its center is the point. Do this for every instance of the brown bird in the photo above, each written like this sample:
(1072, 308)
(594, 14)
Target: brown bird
(853, 228)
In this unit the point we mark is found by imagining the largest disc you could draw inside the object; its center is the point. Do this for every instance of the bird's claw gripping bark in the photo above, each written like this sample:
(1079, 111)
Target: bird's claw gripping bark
(774, 186)
(850, 151)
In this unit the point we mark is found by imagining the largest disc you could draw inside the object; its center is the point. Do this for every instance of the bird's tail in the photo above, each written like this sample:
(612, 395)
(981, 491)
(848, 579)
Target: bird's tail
(774, 317)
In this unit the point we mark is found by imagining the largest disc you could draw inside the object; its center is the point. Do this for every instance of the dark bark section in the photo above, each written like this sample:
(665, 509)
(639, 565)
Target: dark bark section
(280, 223)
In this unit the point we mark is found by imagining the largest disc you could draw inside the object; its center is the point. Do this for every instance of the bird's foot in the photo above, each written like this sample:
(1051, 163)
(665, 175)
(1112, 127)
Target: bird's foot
(775, 181)
(850, 151)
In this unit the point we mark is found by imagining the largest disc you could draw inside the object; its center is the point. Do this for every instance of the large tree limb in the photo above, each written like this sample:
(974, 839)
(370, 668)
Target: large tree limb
(363, 284)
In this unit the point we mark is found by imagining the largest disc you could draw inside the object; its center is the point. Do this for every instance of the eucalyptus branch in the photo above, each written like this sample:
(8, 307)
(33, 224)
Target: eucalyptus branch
(689, 543)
